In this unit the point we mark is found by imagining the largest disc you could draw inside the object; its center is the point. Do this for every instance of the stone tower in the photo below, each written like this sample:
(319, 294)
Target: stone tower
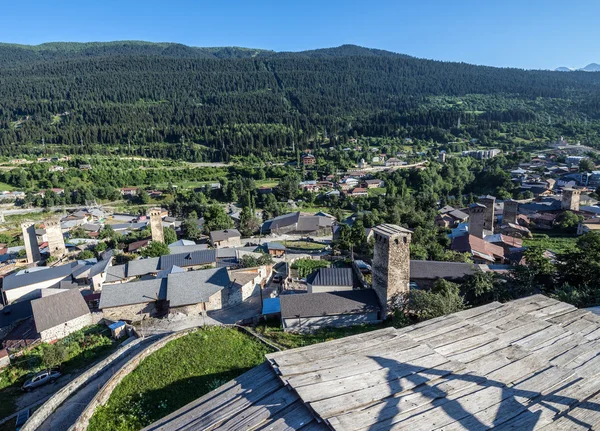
(56, 241)
(31, 246)
(442, 157)
(156, 226)
(511, 209)
(391, 263)
(477, 220)
(570, 199)
(488, 220)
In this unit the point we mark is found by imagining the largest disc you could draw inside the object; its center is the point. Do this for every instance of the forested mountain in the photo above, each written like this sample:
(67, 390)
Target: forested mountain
(237, 101)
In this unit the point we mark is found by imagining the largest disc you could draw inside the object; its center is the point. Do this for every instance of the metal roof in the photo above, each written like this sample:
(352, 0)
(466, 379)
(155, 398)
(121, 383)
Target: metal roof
(194, 258)
(427, 269)
(27, 278)
(331, 277)
(329, 303)
(136, 268)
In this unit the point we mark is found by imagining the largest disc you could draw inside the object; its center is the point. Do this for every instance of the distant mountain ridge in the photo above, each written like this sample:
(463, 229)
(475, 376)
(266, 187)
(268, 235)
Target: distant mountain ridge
(15, 54)
(592, 67)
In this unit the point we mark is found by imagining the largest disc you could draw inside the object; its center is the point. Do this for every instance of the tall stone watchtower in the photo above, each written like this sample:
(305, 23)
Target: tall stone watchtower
(156, 226)
(488, 220)
(570, 199)
(391, 263)
(56, 241)
(511, 210)
(31, 246)
(477, 220)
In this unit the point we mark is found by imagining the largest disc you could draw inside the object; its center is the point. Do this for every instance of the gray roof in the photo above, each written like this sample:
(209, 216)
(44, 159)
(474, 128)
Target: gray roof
(427, 269)
(115, 273)
(172, 270)
(283, 221)
(329, 303)
(136, 268)
(99, 268)
(91, 227)
(194, 258)
(137, 292)
(225, 234)
(331, 277)
(182, 242)
(14, 281)
(458, 214)
(388, 230)
(193, 287)
(178, 249)
(54, 310)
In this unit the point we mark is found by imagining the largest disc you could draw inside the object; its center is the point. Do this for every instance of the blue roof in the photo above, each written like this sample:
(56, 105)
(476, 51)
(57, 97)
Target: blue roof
(116, 325)
(271, 306)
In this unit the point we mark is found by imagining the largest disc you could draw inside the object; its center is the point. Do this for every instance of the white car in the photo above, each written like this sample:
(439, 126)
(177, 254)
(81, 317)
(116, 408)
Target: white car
(41, 379)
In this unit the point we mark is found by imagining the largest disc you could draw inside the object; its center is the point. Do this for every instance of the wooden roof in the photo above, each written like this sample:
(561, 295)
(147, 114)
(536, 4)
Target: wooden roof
(526, 365)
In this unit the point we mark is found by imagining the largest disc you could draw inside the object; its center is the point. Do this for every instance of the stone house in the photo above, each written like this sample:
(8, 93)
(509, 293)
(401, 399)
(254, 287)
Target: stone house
(226, 238)
(60, 314)
(424, 273)
(308, 312)
(134, 301)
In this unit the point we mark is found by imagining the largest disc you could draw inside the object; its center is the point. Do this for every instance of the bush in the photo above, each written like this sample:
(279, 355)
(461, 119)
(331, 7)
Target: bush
(307, 266)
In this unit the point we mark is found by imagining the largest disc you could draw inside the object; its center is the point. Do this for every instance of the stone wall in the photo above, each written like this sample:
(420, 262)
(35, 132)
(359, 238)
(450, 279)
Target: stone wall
(104, 394)
(314, 323)
(61, 331)
(131, 312)
(41, 414)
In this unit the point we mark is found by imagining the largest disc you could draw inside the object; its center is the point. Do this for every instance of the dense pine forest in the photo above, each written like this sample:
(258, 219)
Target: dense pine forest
(209, 104)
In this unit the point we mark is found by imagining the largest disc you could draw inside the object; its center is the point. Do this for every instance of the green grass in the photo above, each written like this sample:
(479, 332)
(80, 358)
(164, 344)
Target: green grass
(7, 187)
(83, 347)
(270, 182)
(177, 374)
(273, 331)
(303, 245)
(555, 242)
(376, 192)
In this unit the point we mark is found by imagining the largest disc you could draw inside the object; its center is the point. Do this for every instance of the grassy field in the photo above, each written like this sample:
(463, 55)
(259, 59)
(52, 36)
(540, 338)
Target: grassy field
(272, 331)
(269, 182)
(82, 347)
(7, 187)
(376, 192)
(177, 374)
(556, 243)
(304, 245)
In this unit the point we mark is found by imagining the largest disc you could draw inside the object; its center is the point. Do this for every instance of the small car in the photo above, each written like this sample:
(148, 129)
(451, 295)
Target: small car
(277, 278)
(41, 379)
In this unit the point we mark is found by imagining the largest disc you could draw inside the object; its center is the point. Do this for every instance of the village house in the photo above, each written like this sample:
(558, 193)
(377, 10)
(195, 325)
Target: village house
(308, 160)
(274, 249)
(309, 311)
(129, 191)
(297, 223)
(424, 273)
(226, 238)
(60, 314)
(56, 168)
(358, 192)
(330, 280)
(374, 184)
(393, 161)
(480, 250)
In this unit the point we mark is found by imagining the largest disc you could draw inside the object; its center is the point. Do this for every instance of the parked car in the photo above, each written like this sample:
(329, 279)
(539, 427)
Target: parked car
(41, 379)
(277, 278)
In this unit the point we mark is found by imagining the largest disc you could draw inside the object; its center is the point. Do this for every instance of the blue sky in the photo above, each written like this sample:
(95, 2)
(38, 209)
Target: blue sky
(524, 33)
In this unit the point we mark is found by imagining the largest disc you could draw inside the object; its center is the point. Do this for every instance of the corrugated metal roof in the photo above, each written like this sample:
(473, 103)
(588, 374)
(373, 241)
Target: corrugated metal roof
(225, 234)
(331, 277)
(21, 279)
(198, 257)
(427, 269)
